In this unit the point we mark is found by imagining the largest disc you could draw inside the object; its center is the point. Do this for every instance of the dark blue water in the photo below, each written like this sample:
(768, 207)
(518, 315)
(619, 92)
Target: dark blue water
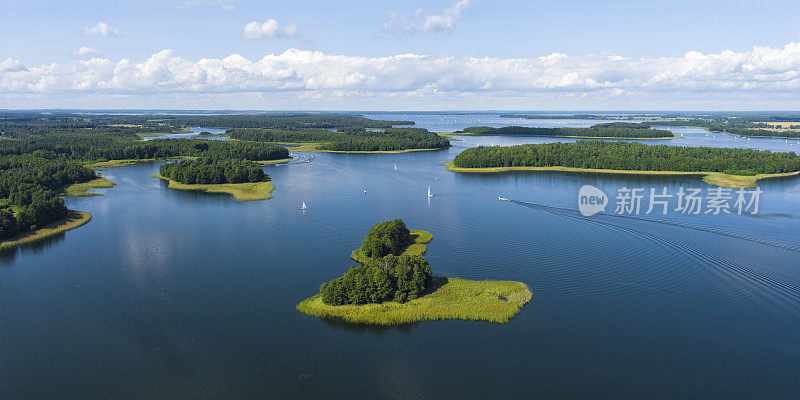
(172, 294)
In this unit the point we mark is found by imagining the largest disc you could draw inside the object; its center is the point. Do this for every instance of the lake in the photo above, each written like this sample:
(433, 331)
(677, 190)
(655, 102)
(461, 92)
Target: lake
(173, 294)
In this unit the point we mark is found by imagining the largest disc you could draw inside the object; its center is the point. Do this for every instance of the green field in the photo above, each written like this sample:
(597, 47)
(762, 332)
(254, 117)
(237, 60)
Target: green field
(248, 191)
(450, 298)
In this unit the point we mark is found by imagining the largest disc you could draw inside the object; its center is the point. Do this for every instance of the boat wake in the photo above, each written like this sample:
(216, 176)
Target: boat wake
(784, 295)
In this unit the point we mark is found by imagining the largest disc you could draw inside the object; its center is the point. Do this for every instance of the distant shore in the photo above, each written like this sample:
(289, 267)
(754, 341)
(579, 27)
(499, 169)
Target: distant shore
(713, 178)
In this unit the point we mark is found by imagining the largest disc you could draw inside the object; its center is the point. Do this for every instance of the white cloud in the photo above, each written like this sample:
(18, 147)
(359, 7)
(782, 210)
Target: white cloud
(224, 5)
(270, 30)
(101, 29)
(85, 51)
(427, 23)
(11, 65)
(743, 77)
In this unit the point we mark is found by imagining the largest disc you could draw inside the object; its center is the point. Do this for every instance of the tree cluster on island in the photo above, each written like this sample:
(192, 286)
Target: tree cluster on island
(213, 171)
(594, 154)
(387, 275)
(349, 139)
(611, 130)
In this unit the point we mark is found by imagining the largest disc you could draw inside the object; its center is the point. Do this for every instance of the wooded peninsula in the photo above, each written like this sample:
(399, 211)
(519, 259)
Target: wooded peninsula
(722, 166)
(618, 130)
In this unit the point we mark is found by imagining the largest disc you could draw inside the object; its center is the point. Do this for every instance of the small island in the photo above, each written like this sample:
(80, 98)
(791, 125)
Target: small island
(613, 130)
(726, 167)
(347, 140)
(243, 179)
(395, 285)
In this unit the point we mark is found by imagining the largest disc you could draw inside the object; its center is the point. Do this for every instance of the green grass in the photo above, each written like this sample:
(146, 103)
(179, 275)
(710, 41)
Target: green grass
(118, 163)
(74, 219)
(712, 178)
(82, 189)
(282, 160)
(418, 248)
(241, 191)
(450, 298)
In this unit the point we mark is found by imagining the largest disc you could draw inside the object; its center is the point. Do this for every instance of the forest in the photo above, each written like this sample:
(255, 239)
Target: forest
(595, 154)
(387, 237)
(390, 278)
(391, 139)
(41, 154)
(30, 186)
(387, 275)
(615, 130)
(214, 171)
(735, 126)
(14, 123)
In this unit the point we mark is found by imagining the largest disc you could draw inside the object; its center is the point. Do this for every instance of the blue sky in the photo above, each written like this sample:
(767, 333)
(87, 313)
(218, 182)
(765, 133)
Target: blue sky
(472, 54)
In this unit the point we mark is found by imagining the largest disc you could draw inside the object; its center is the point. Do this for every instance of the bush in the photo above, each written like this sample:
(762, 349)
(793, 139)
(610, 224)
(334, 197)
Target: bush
(387, 237)
(395, 278)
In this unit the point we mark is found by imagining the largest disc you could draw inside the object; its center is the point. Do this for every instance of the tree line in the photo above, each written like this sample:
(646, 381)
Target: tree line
(630, 156)
(349, 139)
(102, 147)
(387, 275)
(18, 124)
(30, 185)
(215, 171)
(615, 130)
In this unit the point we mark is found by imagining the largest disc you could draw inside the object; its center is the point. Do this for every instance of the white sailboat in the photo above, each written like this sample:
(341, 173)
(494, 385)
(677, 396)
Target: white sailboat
(303, 207)
(429, 191)
(395, 167)
(365, 190)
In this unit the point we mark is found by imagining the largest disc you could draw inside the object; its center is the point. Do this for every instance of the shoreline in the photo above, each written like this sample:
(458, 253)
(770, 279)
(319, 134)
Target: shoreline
(444, 298)
(83, 189)
(247, 191)
(313, 147)
(74, 220)
(449, 299)
(713, 178)
(569, 137)
(132, 161)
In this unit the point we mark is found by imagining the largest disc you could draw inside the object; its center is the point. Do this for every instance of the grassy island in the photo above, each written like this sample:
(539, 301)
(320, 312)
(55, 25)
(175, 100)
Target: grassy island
(73, 220)
(452, 298)
(731, 168)
(82, 189)
(247, 191)
(395, 285)
(614, 130)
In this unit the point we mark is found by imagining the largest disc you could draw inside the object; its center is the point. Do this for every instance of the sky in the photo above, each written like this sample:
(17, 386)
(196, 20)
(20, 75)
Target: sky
(401, 55)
